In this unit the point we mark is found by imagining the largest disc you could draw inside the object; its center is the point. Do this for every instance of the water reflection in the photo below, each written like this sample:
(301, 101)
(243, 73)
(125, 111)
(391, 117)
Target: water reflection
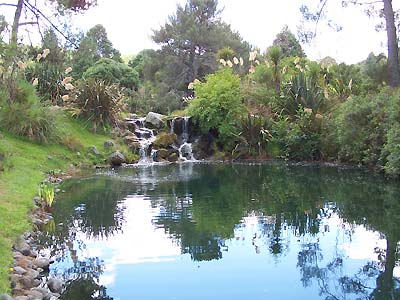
(329, 233)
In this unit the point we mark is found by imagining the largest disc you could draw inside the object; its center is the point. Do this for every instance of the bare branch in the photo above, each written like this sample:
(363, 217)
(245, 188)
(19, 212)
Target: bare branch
(37, 12)
(28, 23)
(8, 4)
(319, 16)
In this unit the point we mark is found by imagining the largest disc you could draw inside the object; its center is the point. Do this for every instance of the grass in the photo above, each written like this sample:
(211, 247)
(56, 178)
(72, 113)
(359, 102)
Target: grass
(25, 166)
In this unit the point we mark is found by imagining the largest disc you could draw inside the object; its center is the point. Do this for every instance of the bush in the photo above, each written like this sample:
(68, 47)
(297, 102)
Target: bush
(113, 72)
(26, 115)
(97, 102)
(253, 137)
(298, 139)
(303, 91)
(218, 104)
(367, 130)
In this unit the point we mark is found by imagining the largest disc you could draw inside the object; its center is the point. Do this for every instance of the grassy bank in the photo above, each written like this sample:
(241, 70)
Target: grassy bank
(23, 166)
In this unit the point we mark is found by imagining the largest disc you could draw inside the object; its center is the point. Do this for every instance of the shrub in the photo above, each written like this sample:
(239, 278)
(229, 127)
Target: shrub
(218, 104)
(299, 138)
(26, 115)
(253, 137)
(111, 72)
(302, 91)
(367, 130)
(97, 102)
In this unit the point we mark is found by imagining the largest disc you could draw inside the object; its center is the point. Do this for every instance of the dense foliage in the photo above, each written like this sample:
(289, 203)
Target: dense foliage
(218, 105)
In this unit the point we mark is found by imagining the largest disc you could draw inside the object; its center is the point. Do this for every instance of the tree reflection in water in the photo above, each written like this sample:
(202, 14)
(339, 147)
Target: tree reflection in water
(203, 213)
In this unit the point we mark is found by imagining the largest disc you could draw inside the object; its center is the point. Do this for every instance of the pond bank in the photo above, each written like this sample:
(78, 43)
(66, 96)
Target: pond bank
(23, 165)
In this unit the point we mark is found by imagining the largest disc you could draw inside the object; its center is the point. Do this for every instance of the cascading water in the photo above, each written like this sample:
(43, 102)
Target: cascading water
(185, 148)
(146, 138)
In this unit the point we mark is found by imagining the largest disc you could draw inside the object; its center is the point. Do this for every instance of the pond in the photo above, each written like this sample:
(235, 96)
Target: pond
(227, 231)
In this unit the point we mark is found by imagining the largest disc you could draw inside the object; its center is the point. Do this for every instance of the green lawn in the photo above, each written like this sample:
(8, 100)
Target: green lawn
(25, 165)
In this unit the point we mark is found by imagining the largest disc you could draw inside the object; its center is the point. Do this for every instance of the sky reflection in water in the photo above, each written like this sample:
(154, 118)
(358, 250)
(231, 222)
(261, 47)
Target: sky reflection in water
(229, 232)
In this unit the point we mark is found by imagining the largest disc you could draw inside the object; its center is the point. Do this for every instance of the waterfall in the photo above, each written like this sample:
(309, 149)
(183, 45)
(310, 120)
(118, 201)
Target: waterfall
(185, 149)
(146, 138)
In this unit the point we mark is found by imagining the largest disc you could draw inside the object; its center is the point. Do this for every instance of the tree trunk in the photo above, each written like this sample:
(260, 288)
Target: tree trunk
(393, 48)
(14, 32)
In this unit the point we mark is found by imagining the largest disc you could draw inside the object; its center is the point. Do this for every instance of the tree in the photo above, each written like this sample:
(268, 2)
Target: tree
(288, 43)
(190, 41)
(61, 5)
(93, 46)
(386, 10)
(113, 72)
(218, 104)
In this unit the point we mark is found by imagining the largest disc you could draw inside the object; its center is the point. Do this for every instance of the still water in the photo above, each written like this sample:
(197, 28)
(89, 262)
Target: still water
(227, 231)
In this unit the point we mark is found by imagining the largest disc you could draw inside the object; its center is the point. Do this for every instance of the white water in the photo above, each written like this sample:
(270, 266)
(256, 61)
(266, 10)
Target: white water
(146, 138)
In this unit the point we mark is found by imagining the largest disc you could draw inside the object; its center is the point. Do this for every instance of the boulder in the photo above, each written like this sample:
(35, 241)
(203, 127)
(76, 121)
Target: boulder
(22, 246)
(21, 298)
(173, 157)
(116, 158)
(6, 297)
(129, 139)
(55, 285)
(165, 139)
(161, 154)
(42, 263)
(19, 271)
(155, 119)
(34, 295)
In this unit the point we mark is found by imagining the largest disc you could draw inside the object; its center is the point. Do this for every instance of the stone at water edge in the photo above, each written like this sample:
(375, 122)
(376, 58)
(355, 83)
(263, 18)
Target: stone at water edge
(42, 263)
(116, 158)
(22, 246)
(155, 119)
(6, 297)
(21, 298)
(55, 285)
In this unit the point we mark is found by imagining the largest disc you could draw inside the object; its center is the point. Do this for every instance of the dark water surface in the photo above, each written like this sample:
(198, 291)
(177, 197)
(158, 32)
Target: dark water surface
(227, 231)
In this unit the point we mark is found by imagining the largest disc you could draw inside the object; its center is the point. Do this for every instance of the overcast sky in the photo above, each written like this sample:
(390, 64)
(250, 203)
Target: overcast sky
(129, 25)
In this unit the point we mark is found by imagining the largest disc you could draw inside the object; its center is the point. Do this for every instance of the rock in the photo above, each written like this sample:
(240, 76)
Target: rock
(21, 298)
(19, 271)
(128, 140)
(34, 274)
(34, 295)
(161, 154)
(156, 120)
(42, 263)
(6, 297)
(22, 246)
(93, 150)
(38, 222)
(55, 285)
(52, 296)
(29, 282)
(116, 158)
(164, 140)
(36, 200)
(108, 144)
(43, 291)
(173, 157)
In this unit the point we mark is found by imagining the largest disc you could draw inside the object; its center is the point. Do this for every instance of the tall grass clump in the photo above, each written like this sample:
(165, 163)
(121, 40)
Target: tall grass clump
(25, 115)
(97, 102)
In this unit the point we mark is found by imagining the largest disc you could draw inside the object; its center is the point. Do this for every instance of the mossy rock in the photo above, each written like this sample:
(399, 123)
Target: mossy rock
(173, 157)
(165, 139)
(162, 153)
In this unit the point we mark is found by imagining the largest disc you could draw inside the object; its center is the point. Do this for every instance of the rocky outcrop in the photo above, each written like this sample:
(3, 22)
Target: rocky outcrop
(155, 119)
